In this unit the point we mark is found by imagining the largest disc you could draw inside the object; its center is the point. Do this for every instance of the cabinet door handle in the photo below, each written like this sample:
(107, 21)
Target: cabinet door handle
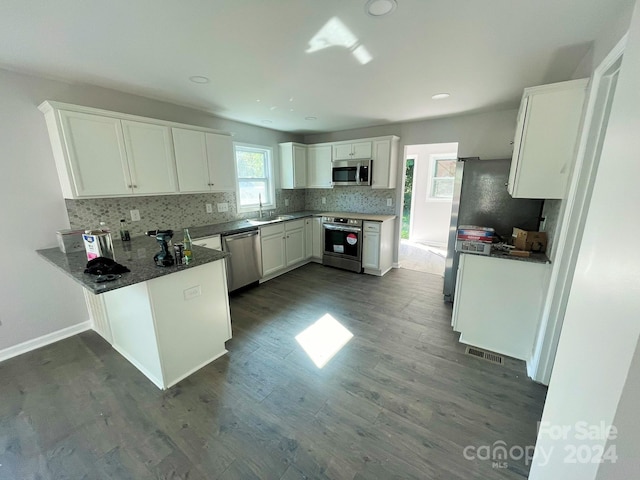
(135, 186)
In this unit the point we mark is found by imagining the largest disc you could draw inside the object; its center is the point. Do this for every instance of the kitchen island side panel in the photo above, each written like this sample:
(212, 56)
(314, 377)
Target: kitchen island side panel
(133, 331)
(192, 318)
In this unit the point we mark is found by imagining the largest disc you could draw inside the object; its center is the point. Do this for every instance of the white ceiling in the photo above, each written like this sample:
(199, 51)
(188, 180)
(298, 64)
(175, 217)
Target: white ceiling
(482, 52)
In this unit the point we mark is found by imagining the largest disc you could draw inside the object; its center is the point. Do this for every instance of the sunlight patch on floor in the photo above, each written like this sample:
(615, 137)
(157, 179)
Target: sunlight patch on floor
(323, 339)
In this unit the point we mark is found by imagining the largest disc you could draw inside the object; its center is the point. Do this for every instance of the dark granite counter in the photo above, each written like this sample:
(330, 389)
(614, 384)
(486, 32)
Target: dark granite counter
(136, 255)
(239, 226)
(533, 258)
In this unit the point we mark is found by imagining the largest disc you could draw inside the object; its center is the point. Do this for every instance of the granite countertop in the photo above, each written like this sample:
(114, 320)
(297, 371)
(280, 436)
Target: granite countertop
(239, 226)
(533, 258)
(136, 255)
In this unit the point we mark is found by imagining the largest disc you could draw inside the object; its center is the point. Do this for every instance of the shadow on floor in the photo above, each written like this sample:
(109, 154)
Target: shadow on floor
(421, 257)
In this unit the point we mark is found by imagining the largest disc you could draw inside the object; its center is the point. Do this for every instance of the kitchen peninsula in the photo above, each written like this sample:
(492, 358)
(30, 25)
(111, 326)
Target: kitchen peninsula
(167, 321)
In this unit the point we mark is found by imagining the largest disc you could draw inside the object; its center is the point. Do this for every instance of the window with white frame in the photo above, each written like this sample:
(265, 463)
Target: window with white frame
(443, 173)
(254, 165)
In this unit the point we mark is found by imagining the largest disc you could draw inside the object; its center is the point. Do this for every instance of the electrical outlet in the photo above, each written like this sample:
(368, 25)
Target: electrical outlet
(223, 207)
(389, 202)
(324, 200)
(209, 208)
(286, 202)
(135, 215)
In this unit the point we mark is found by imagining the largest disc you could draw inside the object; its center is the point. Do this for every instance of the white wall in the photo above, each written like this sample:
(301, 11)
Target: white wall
(35, 299)
(430, 217)
(601, 327)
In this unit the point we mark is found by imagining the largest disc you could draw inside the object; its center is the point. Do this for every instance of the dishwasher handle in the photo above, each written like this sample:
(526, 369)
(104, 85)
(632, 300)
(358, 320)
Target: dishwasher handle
(238, 236)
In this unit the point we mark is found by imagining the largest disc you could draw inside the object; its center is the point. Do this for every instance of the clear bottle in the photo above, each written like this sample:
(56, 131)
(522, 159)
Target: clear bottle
(124, 233)
(188, 254)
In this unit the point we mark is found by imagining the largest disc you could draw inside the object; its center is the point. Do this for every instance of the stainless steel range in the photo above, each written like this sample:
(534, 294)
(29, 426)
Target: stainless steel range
(342, 243)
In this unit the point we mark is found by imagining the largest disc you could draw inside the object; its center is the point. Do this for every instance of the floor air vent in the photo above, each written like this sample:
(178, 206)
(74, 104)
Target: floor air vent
(483, 354)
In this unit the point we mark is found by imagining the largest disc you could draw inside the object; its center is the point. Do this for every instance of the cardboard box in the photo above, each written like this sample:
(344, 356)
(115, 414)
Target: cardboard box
(529, 241)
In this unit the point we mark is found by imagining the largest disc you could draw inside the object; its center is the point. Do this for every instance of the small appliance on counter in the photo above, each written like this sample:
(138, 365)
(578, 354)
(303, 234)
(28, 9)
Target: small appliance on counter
(98, 243)
(163, 258)
(70, 241)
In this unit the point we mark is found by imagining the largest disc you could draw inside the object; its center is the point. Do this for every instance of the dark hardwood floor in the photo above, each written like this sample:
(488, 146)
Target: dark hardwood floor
(400, 400)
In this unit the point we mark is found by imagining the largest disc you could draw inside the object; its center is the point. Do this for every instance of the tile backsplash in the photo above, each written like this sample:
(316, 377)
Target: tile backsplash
(167, 211)
(351, 199)
(178, 211)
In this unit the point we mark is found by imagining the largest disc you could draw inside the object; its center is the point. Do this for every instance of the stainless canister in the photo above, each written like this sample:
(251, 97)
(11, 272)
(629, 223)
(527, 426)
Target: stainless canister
(98, 243)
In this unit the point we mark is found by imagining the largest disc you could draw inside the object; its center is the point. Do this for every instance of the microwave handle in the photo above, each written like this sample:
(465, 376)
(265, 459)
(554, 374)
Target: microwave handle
(358, 174)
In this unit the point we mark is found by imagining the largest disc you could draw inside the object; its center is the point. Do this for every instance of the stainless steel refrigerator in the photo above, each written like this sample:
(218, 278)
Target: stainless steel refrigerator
(480, 197)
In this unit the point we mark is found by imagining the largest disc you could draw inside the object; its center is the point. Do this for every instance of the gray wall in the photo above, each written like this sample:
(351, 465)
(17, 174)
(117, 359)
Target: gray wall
(36, 300)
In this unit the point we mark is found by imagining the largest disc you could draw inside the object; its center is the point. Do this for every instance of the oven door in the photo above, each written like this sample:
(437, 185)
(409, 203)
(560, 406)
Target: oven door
(343, 241)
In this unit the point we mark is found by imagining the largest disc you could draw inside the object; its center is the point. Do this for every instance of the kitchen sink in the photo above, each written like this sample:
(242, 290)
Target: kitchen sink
(269, 219)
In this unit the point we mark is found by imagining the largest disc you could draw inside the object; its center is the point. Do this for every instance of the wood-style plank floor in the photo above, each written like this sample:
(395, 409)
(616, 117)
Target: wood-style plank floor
(400, 400)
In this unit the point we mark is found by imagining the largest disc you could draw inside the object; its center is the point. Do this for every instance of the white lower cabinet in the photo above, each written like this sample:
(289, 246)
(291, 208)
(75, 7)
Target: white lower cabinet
(498, 302)
(294, 241)
(170, 326)
(272, 242)
(317, 240)
(284, 246)
(308, 238)
(377, 247)
(214, 242)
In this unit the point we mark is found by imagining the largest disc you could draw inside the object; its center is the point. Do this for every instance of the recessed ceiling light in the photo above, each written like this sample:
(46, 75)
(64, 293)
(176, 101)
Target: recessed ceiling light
(310, 118)
(380, 8)
(199, 79)
(258, 100)
(266, 122)
(440, 96)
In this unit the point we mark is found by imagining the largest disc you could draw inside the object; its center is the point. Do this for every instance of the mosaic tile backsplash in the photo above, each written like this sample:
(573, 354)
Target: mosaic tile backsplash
(351, 199)
(168, 211)
(179, 211)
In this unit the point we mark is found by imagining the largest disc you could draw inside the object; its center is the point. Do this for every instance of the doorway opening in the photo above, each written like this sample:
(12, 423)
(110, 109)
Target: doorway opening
(429, 171)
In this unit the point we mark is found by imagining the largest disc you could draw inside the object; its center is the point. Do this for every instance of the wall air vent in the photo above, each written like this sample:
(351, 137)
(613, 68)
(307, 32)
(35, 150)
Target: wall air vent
(483, 354)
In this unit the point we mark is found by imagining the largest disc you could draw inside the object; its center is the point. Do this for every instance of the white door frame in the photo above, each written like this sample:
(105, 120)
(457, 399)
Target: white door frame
(573, 214)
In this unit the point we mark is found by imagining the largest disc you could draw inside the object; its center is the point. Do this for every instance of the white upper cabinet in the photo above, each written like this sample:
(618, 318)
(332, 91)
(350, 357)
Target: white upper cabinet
(90, 154)
(352, 150)
(319, 166)
(204, 161)
(546, 136)
(293, 165)
(150, 155)
(108, 154)
(385, 162)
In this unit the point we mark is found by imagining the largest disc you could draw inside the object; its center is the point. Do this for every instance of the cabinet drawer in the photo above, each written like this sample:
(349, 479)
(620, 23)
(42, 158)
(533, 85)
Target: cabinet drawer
(371, 227)
(212, 242)
(269, 230)
(293, 224)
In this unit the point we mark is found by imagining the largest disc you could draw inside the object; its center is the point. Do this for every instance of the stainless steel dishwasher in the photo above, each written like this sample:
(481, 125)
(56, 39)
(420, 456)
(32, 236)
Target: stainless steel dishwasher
(244, 266)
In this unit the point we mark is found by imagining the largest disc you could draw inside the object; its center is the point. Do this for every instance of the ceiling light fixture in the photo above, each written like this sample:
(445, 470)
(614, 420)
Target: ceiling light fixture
(311, 118)
(440, 96)
(380, 8)
(199, 79)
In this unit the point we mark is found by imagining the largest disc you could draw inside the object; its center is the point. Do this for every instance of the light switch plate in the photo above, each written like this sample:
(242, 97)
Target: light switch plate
(135, 215)
(389, 202)
(223, 207)
(209, 208)
(286, 202)
(324, 200)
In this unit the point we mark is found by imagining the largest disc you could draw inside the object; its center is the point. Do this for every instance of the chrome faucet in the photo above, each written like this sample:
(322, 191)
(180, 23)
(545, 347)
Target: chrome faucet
(260, 203)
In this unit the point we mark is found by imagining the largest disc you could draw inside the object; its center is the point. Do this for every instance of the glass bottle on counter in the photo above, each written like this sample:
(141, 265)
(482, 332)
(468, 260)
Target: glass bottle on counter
(188, 253)
(124, 233)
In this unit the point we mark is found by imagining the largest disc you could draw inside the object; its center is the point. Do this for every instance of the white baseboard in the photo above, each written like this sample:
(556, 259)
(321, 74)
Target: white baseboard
(49, 338)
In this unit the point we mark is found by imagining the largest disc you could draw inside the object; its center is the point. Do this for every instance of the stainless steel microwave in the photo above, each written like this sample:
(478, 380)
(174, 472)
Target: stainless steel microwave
(351, 172)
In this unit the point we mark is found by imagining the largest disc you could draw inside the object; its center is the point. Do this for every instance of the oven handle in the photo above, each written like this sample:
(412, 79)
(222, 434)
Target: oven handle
(342, 229)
